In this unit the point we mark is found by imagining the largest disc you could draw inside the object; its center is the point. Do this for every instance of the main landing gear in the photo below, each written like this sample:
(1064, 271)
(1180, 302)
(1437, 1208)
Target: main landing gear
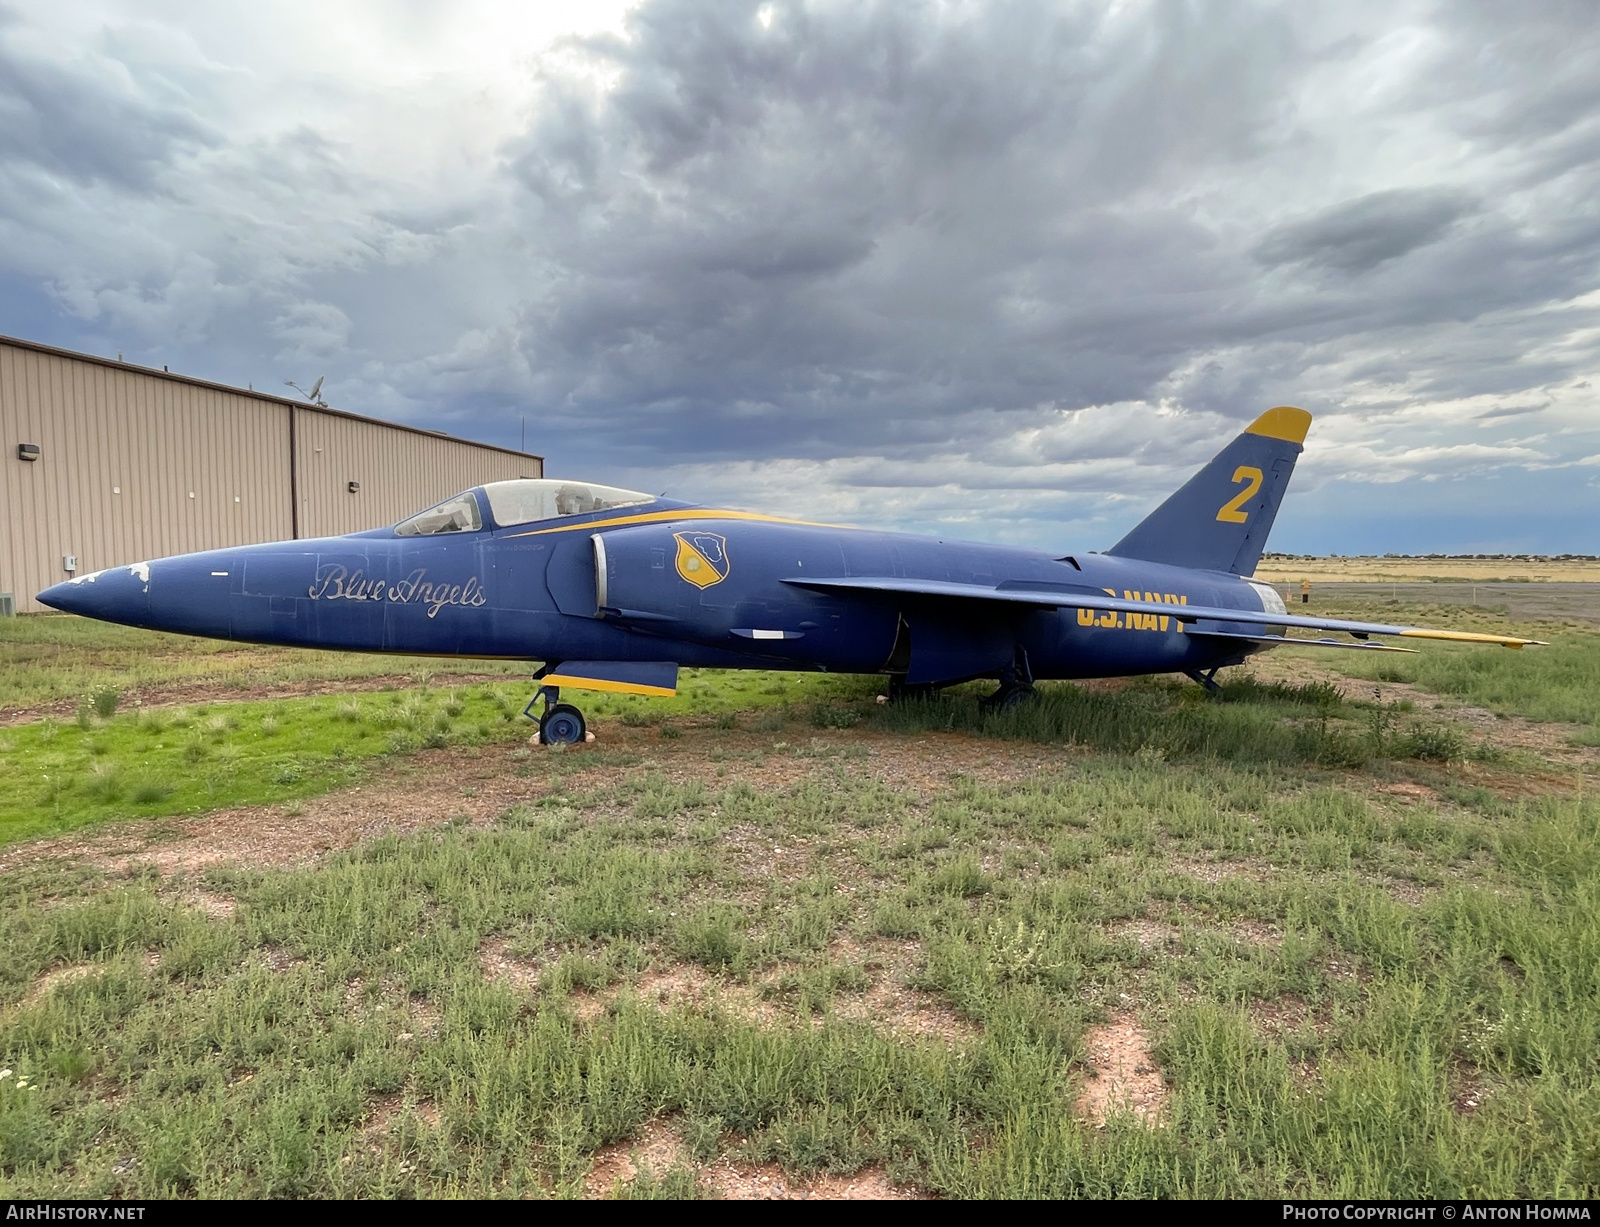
(561, 724)
(1208, 679)
(1016, 684)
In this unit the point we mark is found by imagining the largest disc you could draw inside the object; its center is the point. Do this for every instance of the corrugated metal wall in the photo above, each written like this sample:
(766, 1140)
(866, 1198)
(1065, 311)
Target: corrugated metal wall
(137, 464)
(400, 472)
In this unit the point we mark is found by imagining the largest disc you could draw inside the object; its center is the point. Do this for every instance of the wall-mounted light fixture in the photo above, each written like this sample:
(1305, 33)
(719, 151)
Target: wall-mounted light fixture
(69, 563)
(27, 451)
(355, 487)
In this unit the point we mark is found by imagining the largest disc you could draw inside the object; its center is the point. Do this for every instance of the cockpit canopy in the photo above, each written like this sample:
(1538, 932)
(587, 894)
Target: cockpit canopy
(522, 502)
(518, 502)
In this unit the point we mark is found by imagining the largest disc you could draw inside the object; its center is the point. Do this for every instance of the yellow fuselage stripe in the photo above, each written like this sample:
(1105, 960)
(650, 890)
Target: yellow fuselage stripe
(657, 517)
(592, 683)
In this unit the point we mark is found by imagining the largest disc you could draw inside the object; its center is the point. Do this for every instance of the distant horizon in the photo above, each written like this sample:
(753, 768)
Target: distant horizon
(1442, 557)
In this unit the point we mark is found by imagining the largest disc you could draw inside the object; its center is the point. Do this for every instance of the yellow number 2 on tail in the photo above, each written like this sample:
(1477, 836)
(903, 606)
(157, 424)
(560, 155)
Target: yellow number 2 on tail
(1231, 513)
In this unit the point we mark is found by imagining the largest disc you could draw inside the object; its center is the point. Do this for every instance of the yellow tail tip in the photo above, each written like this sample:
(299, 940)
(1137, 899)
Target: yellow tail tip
(1285, 422)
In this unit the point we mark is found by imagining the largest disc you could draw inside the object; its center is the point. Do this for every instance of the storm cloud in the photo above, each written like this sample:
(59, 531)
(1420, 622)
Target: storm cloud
(1009, 269)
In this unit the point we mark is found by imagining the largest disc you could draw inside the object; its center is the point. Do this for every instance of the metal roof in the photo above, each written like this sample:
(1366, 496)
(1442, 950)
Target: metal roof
(292, 402)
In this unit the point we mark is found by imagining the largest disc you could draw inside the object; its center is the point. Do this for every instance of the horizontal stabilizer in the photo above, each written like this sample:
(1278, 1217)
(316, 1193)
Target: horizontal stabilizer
(654, 677)
(1189, 615)
(1317, 643)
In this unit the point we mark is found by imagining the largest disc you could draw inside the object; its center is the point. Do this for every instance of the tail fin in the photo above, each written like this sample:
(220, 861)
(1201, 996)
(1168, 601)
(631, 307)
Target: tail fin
(1220, 519)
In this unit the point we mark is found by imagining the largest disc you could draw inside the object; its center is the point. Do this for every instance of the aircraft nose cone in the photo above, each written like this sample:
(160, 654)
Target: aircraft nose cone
(121, 594)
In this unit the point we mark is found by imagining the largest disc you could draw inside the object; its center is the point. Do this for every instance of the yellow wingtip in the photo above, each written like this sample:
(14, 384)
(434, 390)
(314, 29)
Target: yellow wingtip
(1285, 422)
(1504, 641)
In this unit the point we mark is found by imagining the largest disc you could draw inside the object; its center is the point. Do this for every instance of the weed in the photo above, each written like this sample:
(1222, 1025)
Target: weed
(834, 716)
(961, 876)
(1436, 742)
(105, 701)
(713, 935)
(770, 722)
(104, 783)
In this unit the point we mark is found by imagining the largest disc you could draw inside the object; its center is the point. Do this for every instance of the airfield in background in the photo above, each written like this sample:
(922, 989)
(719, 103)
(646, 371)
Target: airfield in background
(1520, 585)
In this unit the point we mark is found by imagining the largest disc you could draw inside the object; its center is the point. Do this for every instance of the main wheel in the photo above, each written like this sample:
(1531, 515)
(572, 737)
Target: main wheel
(562, 725)
(1006, 697)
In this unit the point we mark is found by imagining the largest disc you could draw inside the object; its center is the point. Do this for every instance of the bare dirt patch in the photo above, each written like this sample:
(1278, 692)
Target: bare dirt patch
(1214, 872)
(1123, 1075)
(509, 969)
(1409, 792)
(1470, 1090)
(1261, 932)
(1286, 1014)
(888, 1004)
(659, 1148)
(896, 1009)
(769, 1182)
(1412, 894)
(276, 958)
(1146, 934)
(386, 1110)
(58, 976)
(215, 906)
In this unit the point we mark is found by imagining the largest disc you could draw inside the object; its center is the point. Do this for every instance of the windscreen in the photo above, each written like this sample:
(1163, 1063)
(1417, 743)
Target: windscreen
(522, 502)
(455, 515)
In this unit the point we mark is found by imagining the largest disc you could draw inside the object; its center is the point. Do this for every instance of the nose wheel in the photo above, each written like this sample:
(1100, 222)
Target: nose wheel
(561, 724)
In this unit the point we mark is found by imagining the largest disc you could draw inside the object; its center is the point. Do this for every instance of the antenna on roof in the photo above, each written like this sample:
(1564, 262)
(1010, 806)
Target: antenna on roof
(313, 395)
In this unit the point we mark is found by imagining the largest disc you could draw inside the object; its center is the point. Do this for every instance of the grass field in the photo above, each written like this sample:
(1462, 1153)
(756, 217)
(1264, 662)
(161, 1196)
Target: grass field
(1307, 940)
(1281, 568)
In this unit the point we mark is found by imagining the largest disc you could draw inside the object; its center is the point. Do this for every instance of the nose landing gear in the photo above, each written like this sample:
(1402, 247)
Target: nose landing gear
(561, 724)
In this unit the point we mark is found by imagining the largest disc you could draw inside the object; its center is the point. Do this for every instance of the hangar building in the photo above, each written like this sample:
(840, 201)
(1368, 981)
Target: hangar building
(107, 463)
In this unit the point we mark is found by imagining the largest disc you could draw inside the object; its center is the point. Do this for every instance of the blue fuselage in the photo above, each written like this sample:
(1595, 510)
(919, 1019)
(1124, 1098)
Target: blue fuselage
(548, 592)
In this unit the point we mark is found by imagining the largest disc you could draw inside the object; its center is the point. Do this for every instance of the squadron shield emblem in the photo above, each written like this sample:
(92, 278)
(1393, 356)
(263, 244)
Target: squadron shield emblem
(702, 558)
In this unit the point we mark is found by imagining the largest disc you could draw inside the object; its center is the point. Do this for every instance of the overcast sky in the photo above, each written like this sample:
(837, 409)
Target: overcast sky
(1007, 271)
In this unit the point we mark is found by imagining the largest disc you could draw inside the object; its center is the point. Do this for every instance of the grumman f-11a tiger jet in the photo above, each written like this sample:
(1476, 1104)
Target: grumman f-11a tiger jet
(614, 590)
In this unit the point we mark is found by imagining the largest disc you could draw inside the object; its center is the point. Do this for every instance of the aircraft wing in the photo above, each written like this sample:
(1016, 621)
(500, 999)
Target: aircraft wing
(1054, 598)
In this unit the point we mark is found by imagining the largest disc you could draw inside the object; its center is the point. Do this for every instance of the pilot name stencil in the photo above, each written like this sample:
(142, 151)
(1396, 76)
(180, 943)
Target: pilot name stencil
(336, 583)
